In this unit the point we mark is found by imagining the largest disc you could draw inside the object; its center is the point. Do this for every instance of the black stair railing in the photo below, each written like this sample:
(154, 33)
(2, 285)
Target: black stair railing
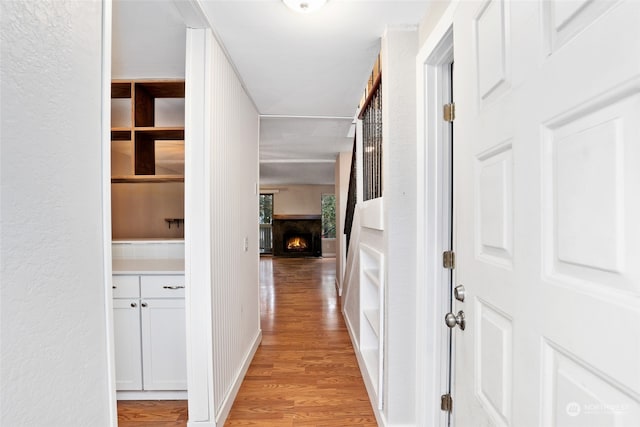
(371, 116)
(352, 196)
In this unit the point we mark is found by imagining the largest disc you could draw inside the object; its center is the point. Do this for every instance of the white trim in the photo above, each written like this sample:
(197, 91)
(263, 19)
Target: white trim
(152, 395)
(371, 389)
(433, 219)
(237, 382)
(286, 116)
(298, 161)
(106, 208)
(197, 228)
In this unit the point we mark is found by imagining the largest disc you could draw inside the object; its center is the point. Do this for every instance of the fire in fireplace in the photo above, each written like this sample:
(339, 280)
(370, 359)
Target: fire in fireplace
(297, 235)
(297, 242)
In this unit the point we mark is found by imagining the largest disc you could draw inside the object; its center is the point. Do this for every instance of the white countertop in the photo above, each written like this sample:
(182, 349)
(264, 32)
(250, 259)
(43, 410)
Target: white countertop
(148, 266)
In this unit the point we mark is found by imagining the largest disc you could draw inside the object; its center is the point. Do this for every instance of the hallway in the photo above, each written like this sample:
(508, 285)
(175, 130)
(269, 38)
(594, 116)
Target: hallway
(305, 372)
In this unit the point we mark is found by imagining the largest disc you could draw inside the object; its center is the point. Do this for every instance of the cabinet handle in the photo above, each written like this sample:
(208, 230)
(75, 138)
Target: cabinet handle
(173, 287)
(113, 286)
(134, 305)
(144, 304)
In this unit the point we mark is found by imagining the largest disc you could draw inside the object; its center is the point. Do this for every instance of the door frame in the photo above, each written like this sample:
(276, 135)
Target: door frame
(197, 201)
(107, 29)
(434, 221)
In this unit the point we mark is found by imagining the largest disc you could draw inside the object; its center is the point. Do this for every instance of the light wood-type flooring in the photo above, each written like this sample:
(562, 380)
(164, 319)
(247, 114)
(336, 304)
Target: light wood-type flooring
(305, 371)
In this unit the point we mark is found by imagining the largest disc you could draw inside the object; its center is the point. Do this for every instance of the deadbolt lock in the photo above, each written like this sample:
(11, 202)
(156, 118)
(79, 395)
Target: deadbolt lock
(451, 320)
(459, 293)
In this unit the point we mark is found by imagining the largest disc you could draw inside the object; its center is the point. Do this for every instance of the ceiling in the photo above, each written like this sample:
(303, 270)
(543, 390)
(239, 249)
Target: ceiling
(305, 73)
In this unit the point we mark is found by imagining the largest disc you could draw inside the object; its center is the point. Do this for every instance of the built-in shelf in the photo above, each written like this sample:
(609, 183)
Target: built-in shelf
(373, 318)
(147, 157)
(371, 342)
(140, 127)
(373, 275)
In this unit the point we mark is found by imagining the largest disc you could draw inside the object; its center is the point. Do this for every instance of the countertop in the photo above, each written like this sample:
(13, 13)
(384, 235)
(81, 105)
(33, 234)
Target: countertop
(148, 266)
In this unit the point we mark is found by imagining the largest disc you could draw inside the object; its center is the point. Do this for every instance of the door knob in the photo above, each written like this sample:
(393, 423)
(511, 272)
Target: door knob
(451, 320)
(459, 293)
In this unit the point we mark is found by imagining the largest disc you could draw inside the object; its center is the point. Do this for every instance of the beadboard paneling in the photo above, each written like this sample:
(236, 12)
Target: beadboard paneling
(234, 225)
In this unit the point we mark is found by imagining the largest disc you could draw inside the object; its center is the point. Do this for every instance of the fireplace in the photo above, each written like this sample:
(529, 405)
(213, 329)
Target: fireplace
(297, 235)
(297, 242)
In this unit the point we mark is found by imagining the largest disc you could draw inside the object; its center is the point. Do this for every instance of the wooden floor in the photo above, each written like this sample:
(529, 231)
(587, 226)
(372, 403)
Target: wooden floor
(305, 371)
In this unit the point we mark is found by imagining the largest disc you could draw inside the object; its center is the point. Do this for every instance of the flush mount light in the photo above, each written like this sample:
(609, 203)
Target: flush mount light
(304, 6)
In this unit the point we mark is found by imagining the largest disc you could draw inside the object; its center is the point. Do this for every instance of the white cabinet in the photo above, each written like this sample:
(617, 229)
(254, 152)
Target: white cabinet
(126, 323)
(150, 332)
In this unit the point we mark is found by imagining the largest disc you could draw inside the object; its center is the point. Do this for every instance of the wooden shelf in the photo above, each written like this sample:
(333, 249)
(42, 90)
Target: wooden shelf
(121, 89)
(146, 178)
(143, 131)
(120, 134)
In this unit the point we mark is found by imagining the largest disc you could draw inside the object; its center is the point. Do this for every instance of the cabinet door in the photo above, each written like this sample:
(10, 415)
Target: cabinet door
(126, 323)
(164, 351)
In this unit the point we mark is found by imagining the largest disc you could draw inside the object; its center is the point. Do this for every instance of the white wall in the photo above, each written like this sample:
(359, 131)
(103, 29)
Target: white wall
(342, 172)
(221, 236)
(399, 48)
(300, 199)
(53, 298)
(235, 283)
(395, 233)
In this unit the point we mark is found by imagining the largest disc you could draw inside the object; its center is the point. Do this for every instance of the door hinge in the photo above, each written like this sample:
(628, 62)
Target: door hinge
(449, 112)
(449, 260)
(446, 402)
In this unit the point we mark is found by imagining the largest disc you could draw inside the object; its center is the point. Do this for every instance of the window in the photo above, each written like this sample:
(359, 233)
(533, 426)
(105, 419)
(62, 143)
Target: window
(266, 208)
(328, 216)
(265, 217)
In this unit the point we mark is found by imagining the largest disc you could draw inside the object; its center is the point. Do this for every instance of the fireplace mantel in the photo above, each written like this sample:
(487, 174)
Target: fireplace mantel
(296, 217)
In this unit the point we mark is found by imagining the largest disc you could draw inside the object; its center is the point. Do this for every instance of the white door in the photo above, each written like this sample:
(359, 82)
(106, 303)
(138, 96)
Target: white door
(126, 331)
(164, 346)
(547, 187)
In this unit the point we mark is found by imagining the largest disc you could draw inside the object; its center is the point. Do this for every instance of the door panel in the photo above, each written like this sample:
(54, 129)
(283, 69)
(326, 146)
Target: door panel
(164, 344)
(126, 331)
(547, 204)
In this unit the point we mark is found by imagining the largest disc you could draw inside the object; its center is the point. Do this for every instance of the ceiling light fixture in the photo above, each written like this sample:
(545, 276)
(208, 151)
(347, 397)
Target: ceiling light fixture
(304, 6)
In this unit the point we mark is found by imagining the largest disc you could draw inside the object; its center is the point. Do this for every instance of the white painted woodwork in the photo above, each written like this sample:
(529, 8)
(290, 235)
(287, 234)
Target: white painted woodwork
(150, 334)
(398, 53)
(164, 355)
(54, 300)
(221, 170)
(125, 286)
(372, 293)
(434, 222)
(546, 201)
(127, 343)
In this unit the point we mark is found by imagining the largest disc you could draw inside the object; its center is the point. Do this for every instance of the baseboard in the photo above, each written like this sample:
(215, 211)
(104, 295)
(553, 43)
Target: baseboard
(152, 395)
(200, 424)
(365, 376)
(231, 397)
(338, 288)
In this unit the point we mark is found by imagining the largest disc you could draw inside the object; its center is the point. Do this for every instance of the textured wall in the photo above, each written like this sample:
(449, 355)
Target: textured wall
(53, 334)
(399, 47)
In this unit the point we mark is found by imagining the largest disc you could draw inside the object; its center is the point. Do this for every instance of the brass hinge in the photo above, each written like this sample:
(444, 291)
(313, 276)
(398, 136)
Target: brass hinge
(449, 112)
(449, 260)
(446, 402)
